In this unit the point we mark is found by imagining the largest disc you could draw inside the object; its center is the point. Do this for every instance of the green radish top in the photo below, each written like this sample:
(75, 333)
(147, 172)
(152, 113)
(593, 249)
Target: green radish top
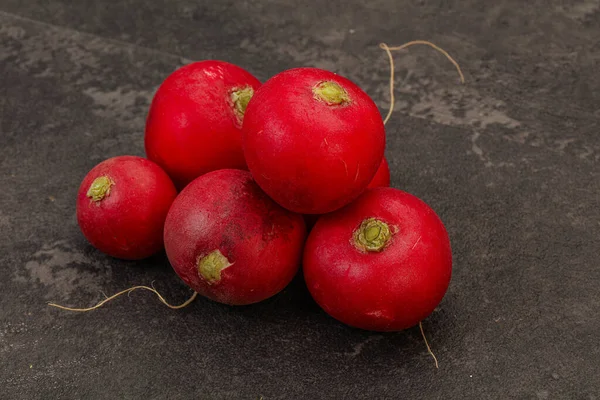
(331, 93)
(211, 265)
(372, 235)
(241, 98)
(100, 188)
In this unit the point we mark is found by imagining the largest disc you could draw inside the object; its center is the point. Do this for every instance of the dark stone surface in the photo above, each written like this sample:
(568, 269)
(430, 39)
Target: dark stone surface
(510, 161)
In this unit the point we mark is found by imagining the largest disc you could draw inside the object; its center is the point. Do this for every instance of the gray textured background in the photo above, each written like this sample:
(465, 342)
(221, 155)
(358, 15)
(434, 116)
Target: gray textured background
(510, 161)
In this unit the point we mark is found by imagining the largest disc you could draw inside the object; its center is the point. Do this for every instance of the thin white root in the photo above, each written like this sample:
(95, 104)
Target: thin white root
(427, 344)
(389, 50)
(131, 289)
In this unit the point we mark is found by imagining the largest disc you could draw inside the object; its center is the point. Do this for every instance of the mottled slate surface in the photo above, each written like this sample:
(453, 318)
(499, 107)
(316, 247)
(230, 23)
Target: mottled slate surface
(510, 161)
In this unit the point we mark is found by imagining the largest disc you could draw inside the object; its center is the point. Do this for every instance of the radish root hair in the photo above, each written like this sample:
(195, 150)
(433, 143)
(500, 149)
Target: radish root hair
(131, 289)
(389, 50)
(427, 344)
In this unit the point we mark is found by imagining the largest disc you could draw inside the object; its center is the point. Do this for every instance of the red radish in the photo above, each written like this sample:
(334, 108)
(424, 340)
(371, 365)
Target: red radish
(195, 118)
(382, 263)
(313, 140)
(230, 242)
(122, 204)
(382, 176)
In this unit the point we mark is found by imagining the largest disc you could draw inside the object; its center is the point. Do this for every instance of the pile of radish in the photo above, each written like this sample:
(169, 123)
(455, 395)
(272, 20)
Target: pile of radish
(246, 183)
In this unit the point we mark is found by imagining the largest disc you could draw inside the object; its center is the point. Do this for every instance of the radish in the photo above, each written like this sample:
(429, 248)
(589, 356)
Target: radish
(193, 126)
(382, 263)
(382, 176)
(230, 242)
(313, 140)
(122, 204)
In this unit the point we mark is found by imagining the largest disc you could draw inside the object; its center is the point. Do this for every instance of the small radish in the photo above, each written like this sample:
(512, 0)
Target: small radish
(122, 204)
(230, 242)
(313, 140)
(193, 126)
(382, 263)
(382, 176)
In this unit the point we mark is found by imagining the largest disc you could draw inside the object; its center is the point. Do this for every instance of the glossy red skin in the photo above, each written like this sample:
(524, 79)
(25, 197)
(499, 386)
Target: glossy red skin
(226, 210)
(382, 176)
(128, 222)
(381, 179)
(192, 127)
(309, 156)
(386, 291)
